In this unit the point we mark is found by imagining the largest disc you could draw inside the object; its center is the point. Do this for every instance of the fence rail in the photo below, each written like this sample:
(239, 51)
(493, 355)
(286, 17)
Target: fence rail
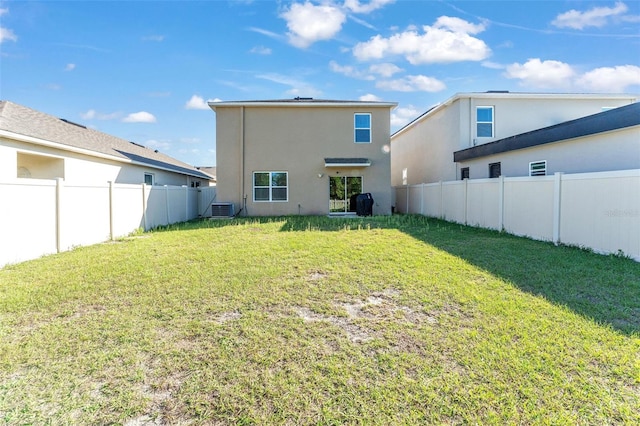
(40, 217)
(599, 211)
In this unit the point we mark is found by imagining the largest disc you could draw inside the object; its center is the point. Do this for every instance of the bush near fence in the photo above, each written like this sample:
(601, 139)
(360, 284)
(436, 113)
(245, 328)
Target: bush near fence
(597, 211)
(40, 217)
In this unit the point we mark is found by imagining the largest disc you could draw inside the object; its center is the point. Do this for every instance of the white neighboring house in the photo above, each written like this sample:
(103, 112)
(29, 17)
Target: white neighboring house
(482, 135)
(40, 146)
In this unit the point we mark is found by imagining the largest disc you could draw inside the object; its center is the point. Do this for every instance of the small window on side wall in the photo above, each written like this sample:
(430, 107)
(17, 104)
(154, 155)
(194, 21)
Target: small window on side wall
(464, 173)
(495, 170)
(538, 168)
(362, 127)
(148, 179)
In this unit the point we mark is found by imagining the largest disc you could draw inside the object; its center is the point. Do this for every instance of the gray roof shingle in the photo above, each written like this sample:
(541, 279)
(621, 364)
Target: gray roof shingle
(28, 122)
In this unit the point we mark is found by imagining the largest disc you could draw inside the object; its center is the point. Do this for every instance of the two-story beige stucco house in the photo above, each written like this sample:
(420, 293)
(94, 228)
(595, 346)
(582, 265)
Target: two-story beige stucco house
(302, 155)
(483, 135)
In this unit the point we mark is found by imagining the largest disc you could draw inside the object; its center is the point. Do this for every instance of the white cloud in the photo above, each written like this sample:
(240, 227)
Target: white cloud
(458, 25)
(359, 7)
(559, 75)
(369, 98)
(308, 23)
(197, 102)
(596, 17)
(260, 50)
(493, 65)
(140, 117)
(611, 79)
(412, 83)
(402, 116)
(542, 74)
(70, 67)
(386, 69)
(265, 32)
(92, 114)
(158, 145)
(448, 40)
(7, 35)
(349, 71)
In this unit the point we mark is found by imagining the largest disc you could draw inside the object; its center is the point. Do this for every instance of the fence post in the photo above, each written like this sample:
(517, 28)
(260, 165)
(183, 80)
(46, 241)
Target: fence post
(59, 186)
(166, 201)
(407, 194)
(466, 199)
(144, 206)
(441, 201)
(501, 204)
(557, 199)
(186, 202)
(111, 232)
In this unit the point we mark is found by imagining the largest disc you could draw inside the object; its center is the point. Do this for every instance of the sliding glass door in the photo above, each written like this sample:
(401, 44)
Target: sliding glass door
(341, 189)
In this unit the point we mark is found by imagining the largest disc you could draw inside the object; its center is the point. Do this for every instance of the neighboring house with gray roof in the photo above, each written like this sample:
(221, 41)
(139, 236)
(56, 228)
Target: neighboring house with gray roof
(483, 135)
(606, 141)
(302, 155)
(40, 146)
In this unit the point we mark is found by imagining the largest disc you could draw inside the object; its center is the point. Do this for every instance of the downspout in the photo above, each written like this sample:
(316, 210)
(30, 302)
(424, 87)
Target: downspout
(242, 171)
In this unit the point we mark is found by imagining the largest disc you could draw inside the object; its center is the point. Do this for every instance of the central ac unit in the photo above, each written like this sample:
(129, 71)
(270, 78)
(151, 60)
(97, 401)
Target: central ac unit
(222, 210)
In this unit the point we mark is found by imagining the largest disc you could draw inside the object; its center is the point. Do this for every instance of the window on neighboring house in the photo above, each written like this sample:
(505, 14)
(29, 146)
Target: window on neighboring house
(484, 121)
(148, 179)
(270, 186)
(362, 126)
(538, 168)
(464, 173)
(494, 170)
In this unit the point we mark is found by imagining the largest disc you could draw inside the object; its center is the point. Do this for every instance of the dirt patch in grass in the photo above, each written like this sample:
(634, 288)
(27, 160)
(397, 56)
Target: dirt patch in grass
(379, 306)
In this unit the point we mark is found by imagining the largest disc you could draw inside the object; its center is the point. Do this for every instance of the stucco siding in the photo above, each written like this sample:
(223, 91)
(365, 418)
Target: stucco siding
(296, 140)
(426, 151)
(617, 150)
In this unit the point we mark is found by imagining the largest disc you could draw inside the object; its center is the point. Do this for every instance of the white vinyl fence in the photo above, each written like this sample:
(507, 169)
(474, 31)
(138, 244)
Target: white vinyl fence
(600, 211)
(39, 217)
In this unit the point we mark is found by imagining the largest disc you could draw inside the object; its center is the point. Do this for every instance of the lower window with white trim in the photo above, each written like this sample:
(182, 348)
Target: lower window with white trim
(538, 168)
(270, 186)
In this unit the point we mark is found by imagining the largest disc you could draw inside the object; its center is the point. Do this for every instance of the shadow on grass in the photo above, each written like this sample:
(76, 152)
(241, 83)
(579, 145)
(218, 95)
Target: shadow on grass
(605, 289)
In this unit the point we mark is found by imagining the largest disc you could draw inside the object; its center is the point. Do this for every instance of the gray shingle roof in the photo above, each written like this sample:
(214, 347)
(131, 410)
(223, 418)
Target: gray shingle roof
(28, 122)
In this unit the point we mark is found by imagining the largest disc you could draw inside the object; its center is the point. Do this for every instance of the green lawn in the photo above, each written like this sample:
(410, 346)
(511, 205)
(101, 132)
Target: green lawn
(396, 320)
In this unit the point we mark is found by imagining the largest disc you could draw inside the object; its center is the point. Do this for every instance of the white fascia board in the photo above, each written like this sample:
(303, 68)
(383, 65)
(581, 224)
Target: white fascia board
(391, 105)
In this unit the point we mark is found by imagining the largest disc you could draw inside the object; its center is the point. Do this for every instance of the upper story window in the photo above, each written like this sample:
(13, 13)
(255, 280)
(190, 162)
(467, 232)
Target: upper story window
(484, 121)
(270, 186)
(362, 126)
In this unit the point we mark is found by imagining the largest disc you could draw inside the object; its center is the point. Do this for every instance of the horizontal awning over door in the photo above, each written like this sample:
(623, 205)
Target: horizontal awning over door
(347, 162)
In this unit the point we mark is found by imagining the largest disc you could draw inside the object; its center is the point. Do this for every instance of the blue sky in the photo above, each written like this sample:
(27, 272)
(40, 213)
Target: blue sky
(144, 70)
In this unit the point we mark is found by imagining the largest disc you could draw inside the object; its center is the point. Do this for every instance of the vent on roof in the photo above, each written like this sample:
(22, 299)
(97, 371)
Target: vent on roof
(220, 210)
(298, 98)
(497, 91)
(72, 123)
(137, 144)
